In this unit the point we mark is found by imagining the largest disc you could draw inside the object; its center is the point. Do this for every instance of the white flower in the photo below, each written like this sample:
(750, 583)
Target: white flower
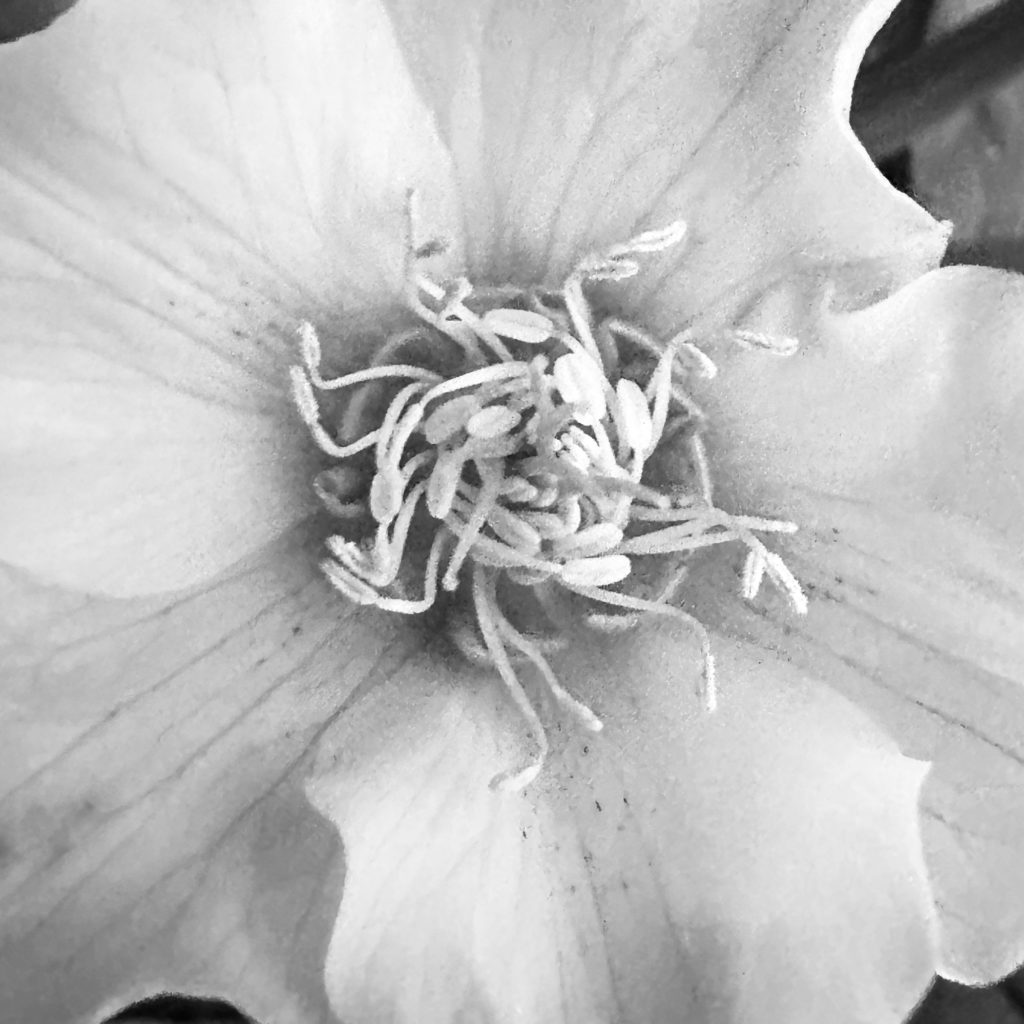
(193, 717)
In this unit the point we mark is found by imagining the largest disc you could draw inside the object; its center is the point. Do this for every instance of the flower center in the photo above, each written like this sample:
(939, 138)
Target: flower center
(513, 432)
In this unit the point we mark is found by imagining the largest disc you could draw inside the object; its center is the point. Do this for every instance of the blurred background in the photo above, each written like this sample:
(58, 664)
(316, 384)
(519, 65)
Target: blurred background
(939, 104)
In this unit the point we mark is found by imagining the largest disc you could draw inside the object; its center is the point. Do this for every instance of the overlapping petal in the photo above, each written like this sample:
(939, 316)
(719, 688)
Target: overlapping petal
(579, 123)
(760, 864)
(916, 616)
(917, 397)
(904, 476)
(154, 829)
(182, 183)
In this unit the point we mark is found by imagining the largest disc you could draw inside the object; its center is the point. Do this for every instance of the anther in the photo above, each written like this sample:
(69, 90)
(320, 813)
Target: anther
(524, 446)
(492, 421)
(596, 572)
(519, 325)
(636, 427)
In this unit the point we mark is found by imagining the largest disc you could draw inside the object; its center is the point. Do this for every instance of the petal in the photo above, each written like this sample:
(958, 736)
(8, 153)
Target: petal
(759, 864)
(917, 615)
(181, 185)
(154, 831)
(894, 439)
(139, 489)
(575, 124)
(917, 397)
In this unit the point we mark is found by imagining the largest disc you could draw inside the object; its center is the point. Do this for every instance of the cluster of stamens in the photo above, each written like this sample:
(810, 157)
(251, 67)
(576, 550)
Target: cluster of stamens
(512, 428)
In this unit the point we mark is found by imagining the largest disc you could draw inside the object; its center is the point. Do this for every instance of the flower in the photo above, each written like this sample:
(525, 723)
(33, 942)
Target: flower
(195, 721)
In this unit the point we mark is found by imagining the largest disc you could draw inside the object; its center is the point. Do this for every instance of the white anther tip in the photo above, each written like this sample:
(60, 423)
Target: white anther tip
(515, 781)
(601, 571)
(654, 240)
(580, 381)
(304, 396)
(520, 325)
(386, 494)
(492, 421)
(660, 238)
(310, 344)
(704, 365)
(635, 415)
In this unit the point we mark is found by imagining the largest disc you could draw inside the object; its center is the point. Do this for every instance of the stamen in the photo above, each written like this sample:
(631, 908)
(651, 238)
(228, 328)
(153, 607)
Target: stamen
(386, 494)
(593, 540)
(665, 513)
(348, 583)
(779, 574)
(444, 482)
(520, 325)
(517, 778)
(515, 530)
(589, 720)
(579, 315)
(700, 359)
(707, 691)
(390, 549)
(655, 240)
(493, 448)
(633, 419)
(492, 421)
(753, 573)
(305, 402)
(596, 572)
(649, 346)
(312, 357)
(640, 492)
(449, 418)
(518, 490)
(490, 477)
(411, 419)
(776, 345)
(339, 491)
(547, 524)
(390, 422)
(660, 390)
(700, 461)
(496, 554)
(528, 465)
(667, 542)
(474, 378)
(362, 593)
(581, 384)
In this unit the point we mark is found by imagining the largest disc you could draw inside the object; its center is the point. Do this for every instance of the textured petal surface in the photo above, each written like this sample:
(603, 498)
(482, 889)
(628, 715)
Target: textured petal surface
(894, 440)
(580, 122)
(153, 827)
(181, 183)
(761, 864)
(917, 616)
(918, 396)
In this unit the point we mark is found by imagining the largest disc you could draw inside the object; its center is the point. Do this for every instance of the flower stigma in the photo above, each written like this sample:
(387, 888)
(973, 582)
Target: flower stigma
(499, 450)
